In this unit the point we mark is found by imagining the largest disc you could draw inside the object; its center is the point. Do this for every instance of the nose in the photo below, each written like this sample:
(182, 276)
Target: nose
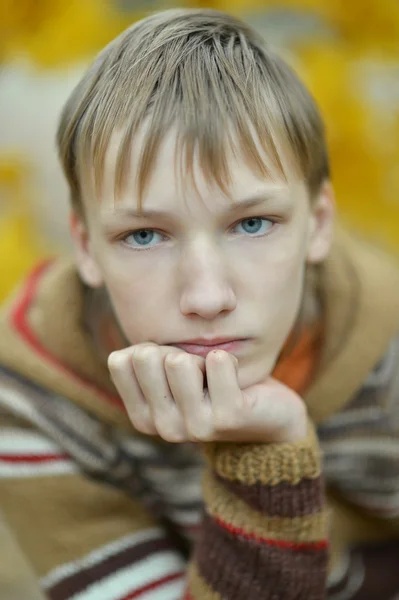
(206, 288)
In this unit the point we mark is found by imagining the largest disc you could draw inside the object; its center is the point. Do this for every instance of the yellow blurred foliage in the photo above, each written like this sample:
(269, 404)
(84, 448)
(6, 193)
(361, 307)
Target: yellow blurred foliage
(20, 244)
(364, 158)
(57, 32)
(364, 23)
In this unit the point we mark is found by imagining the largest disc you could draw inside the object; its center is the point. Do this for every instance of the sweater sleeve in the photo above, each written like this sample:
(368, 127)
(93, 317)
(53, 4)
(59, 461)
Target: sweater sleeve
(360, 447)
(361, 444)
(264, 532)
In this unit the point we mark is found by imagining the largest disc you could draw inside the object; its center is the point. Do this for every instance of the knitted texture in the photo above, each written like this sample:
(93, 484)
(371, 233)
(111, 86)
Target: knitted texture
(112, 511)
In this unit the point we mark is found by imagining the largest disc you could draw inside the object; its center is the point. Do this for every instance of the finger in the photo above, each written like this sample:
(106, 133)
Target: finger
(148, 365)
(124, 378)
(224, 391)
(185, 375)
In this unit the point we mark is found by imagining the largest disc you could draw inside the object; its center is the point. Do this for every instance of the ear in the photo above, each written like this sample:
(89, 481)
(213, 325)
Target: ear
(321, 224)
(85, 260)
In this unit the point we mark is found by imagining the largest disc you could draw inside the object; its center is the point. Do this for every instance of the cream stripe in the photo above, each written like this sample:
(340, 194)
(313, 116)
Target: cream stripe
(356, 578)
(169, 591)
(185, 518)
(19, 404)
(176, 485)
(387, 503)
(14, 441)
(100, 554)
(140, 448)
(133, 577)
(377, 447)
(340, 570)
(368, 415)
(24, 470)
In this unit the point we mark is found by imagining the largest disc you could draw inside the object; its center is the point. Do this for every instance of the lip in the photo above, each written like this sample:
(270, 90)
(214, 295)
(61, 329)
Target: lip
(232, 346)
(209, 341)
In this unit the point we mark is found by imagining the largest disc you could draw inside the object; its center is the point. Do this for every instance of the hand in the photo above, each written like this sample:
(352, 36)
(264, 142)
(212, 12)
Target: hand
(163, 390)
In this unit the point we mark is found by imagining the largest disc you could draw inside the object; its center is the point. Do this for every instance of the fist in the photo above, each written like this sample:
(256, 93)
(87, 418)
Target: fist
(182, 397)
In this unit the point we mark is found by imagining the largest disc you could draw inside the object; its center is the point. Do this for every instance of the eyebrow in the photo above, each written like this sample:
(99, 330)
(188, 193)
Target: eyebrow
(241, 204)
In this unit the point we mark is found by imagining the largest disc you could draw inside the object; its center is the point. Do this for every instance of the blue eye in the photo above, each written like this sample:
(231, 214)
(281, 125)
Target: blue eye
(255, 225)
(143, 238)
(147, 238)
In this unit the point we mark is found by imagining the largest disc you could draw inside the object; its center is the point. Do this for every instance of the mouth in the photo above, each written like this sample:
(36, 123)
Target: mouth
(233, 346)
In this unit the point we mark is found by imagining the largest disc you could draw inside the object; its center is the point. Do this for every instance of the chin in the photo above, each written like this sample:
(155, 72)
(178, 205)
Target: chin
(254, 374)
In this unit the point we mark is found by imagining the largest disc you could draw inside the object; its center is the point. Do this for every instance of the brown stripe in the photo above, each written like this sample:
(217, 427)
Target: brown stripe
(87, 576)
(282, 500)
(379, 562)
(231, 509)
(246, 570)
(381, 565)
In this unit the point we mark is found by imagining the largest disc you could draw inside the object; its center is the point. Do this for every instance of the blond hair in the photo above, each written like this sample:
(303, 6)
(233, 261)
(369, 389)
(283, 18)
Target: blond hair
(213, 77)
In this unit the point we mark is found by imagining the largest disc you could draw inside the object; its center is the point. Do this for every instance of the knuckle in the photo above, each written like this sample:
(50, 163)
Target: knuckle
(143, 424)
(227, 421)
(146, 428)
(168, 429)
(116, 362)
(199, 433)
(176, 360)
(144, 353)
(172, 435)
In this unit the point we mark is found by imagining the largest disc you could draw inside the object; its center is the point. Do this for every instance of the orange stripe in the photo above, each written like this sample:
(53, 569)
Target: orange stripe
(237, 531)
(296, 369)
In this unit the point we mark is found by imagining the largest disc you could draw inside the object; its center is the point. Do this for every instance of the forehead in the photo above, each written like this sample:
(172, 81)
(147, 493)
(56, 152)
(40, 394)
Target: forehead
(170, 186)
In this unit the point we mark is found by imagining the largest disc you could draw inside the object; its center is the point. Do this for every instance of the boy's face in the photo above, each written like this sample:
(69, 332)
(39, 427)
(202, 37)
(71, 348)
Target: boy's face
(203, 269)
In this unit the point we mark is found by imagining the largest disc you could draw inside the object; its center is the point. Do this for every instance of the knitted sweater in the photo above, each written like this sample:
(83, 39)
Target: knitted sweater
(96, 511)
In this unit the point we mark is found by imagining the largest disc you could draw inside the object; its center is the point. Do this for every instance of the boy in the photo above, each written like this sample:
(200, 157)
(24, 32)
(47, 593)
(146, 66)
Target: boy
(224, 396)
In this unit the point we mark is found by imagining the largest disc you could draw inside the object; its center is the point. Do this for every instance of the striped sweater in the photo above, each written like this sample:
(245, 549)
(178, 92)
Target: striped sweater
(92, 510)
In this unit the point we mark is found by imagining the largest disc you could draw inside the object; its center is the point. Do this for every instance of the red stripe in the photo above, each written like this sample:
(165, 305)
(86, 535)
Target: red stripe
(32, 458)
(320, 545)
(187, 596)
(19, 318)
(154, 585)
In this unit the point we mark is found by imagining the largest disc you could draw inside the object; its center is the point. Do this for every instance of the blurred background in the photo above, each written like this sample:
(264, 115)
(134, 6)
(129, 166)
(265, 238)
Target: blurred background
(346, 52)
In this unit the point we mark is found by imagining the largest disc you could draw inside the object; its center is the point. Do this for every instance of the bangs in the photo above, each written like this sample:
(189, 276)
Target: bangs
(222, 92)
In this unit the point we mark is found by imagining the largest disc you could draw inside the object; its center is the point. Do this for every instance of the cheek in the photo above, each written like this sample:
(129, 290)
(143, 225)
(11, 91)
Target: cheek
(277, 272)
(277, 277)
(282, 292)
(284, 281)
(136, 298)
(133, 307)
